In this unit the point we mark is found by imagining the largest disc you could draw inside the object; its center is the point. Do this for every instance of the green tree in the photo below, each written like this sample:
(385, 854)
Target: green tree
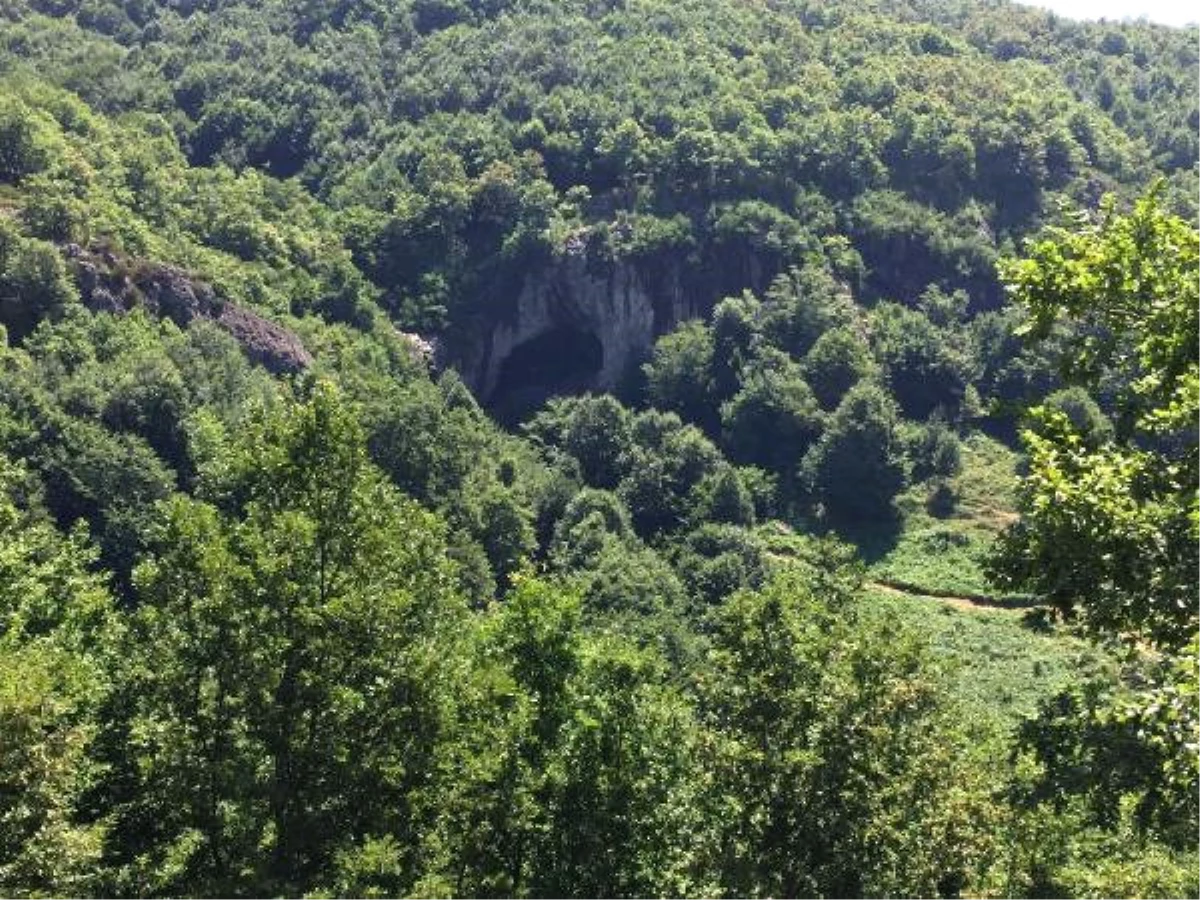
(1108, 529)
(855, 469)
(933, 450)
(926, 367)
(428, 438)
(679, 377)
(1082, 412)
(283, 678)
(570, 767)
(33, 282)
(801, 305)
(55, 620)
(614, 517)
(734, 333)
(21, 151)
(623, 817)
(716, 560)
(597, 431)
(723, 497)
(505, 532)
(836, 772)
(1127, 506)
(669, 460)
(838, 360)
(774, 418)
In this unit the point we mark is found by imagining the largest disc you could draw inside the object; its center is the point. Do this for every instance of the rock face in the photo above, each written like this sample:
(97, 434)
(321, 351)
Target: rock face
(108, 283)
(572, 327)
(270, 345)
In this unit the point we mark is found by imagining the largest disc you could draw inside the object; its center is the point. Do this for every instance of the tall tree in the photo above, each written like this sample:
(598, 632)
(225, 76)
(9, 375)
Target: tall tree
(1108, 531)
(855, 469)
(837, 775)
(284, 668)
(55, 617)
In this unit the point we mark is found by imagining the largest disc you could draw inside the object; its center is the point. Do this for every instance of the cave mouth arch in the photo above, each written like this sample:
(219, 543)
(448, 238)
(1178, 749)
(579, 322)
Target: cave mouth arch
(563, 360)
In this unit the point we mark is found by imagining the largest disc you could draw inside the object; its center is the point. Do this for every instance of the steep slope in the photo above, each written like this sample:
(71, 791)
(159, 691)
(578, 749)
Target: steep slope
(284, 611)
(509, 171)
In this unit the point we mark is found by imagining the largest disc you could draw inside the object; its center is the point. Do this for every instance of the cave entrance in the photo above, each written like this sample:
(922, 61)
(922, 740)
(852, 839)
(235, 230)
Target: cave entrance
(564, 360)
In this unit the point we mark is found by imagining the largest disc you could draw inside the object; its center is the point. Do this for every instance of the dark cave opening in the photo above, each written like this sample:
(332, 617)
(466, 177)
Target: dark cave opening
(564, 360)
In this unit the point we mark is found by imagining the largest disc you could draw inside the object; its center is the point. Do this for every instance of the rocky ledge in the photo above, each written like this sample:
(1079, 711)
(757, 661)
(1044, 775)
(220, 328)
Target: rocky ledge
(111, 283)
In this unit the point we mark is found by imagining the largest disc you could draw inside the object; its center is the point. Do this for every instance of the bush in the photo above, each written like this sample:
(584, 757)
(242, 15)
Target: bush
(838, 360)
(21, 151)
(679, 377)
(933, 450)
(855, 470)
(1083, 413)
(774, 418)
(33, 282)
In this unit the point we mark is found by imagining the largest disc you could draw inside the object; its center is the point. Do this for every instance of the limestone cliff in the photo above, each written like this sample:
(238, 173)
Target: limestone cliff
(573, 326)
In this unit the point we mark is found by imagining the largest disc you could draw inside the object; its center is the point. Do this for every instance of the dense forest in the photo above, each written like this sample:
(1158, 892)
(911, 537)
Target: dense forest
(600, 448)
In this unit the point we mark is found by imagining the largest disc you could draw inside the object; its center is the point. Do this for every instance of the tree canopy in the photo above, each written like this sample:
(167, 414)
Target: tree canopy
(317, 579)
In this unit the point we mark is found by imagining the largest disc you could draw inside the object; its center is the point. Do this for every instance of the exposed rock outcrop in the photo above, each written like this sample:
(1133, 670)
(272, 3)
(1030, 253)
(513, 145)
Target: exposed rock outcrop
(109, 283)
(572, 326)
(264, 342)
(424, 349)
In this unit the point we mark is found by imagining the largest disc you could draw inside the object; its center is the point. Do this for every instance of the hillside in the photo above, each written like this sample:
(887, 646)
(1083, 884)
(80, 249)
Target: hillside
(596, 448)
(503, 170)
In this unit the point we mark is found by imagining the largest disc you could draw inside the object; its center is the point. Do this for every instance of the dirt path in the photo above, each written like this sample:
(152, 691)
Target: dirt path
(960, 601)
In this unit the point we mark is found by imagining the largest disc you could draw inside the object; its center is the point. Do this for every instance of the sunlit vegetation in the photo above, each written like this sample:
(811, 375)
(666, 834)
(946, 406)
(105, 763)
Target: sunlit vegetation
(874, 577)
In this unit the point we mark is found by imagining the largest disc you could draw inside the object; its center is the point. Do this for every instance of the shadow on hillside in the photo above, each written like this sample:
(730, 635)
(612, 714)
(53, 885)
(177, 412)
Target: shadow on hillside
(874, 538)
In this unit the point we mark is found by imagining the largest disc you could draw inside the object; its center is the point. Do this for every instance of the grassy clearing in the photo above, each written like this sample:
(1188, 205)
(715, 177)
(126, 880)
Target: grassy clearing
(999, 666)
(944, 554)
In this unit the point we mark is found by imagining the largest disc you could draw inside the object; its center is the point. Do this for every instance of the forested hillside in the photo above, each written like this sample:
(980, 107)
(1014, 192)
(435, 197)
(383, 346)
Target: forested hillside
(596, 448)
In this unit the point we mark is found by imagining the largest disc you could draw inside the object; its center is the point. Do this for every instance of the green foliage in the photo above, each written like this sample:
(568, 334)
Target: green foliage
(716, 560)
(597, 431)
(1127, 505)
(505, 532)
(934, 451)
(598, 756)
(1082, 412)
(621, 789)
(45, 702)
(802, 815)
(774, 417)
(1135, 746)
(855, 469)
(837, 360)
(280, 675)
(949, 527)
(514, 135)
(679, 377)
(734, 330)
(724, 498)
(926, 367)
(362, 642)
(802, 305)
(55, 615)
(106, 411)
(907, 246)
(428, 438)
(1109, 521)
(1001, 667)
(24, 145)
(33, 282)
